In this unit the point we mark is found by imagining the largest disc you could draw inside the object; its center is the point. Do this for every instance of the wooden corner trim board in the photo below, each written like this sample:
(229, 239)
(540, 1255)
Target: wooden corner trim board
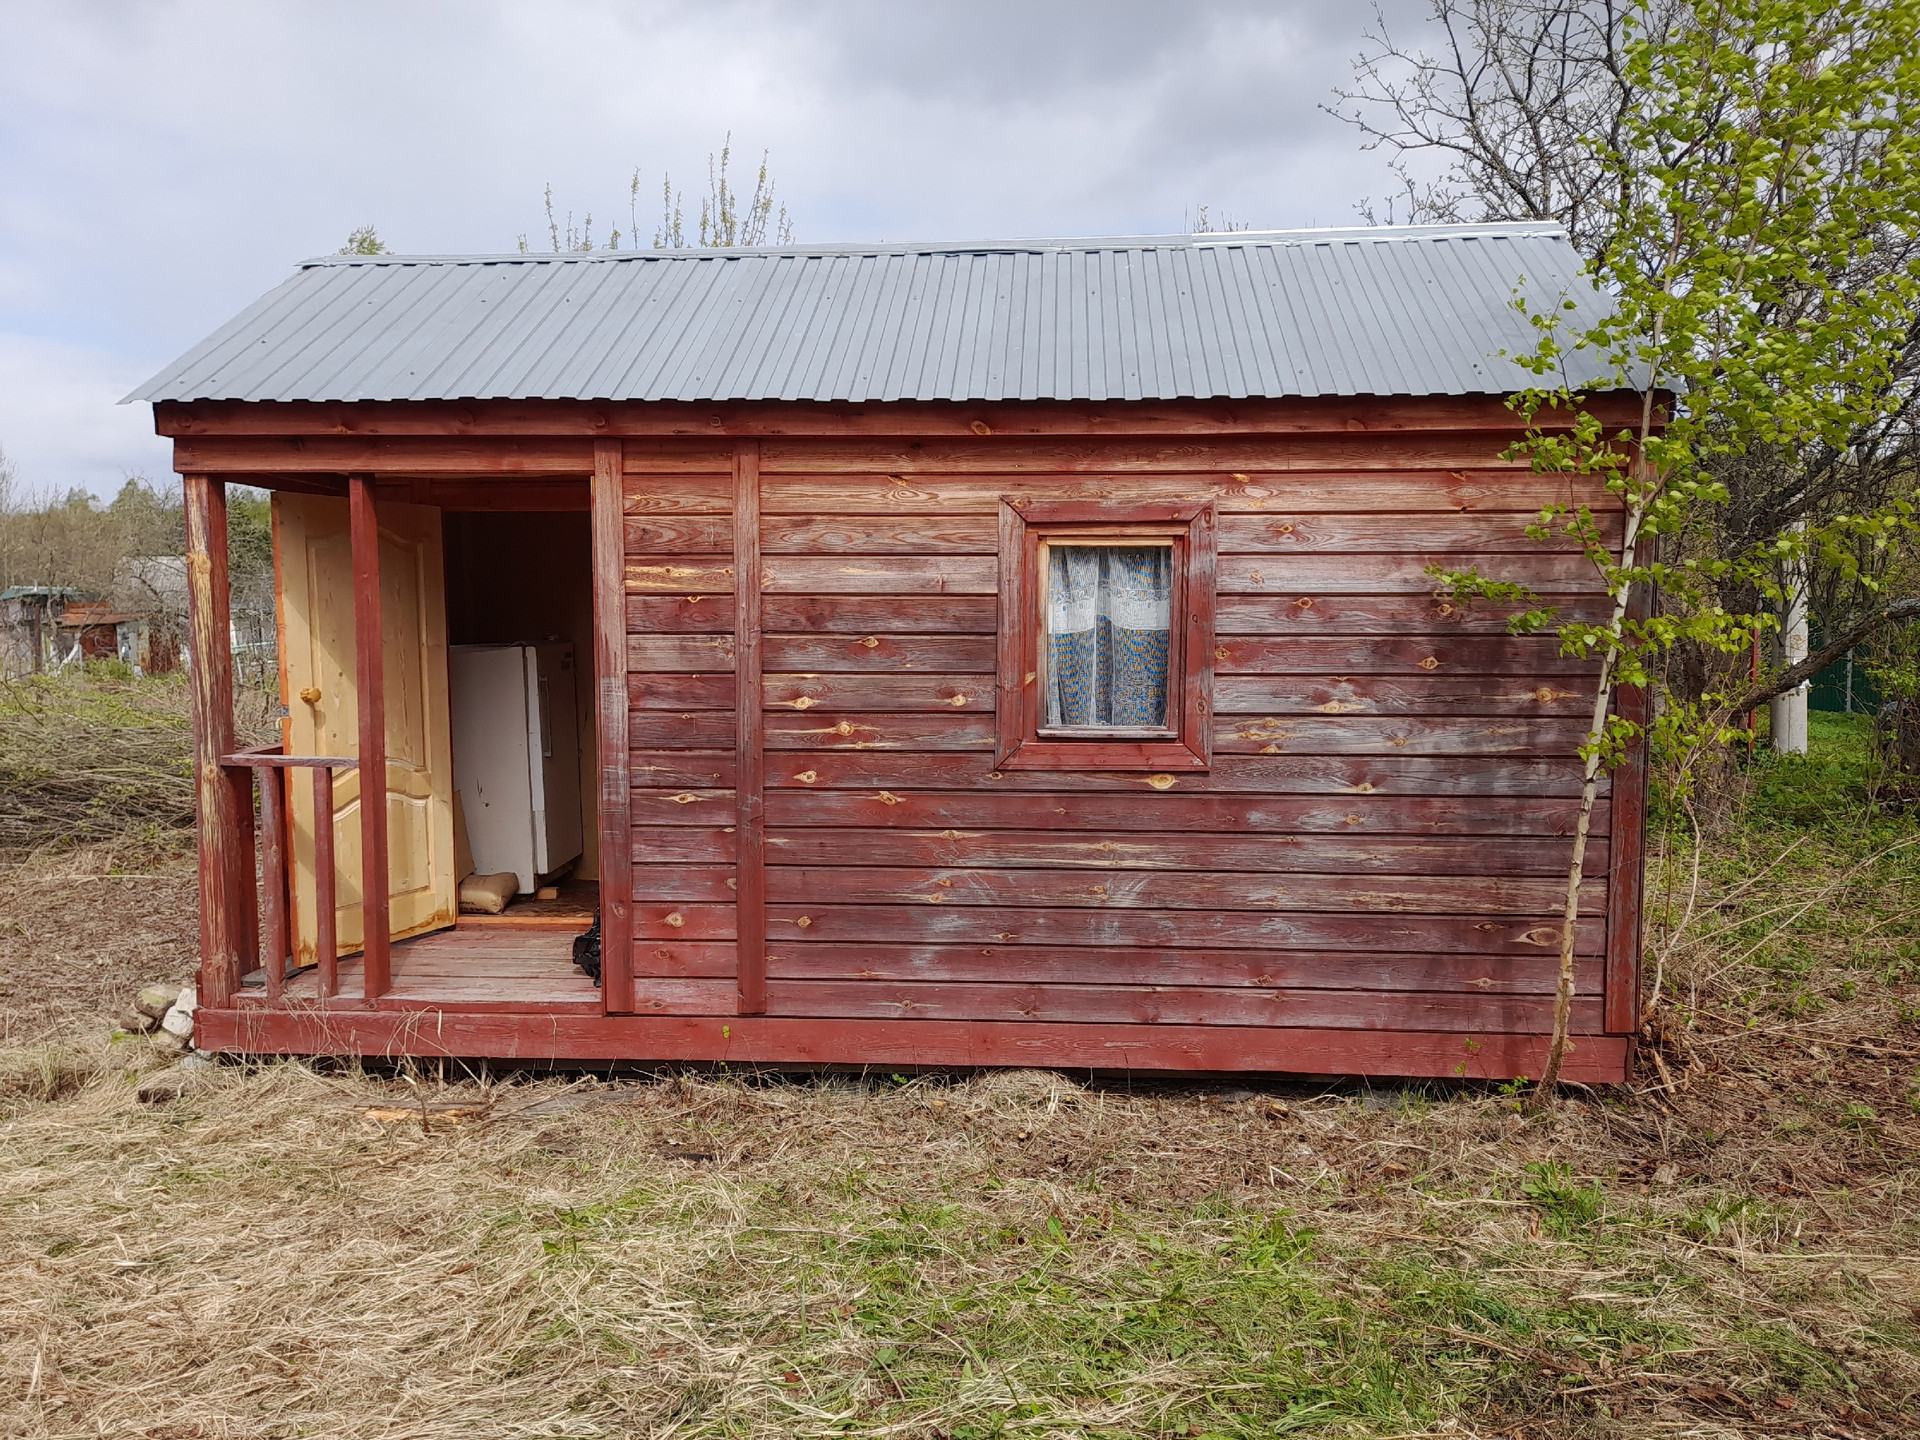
(750, 870)
(1024, 525)
(774, 1040)
(610, 664)
(694, 419)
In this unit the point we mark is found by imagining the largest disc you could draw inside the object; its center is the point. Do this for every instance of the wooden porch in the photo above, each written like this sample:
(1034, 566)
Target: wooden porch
(519, 962)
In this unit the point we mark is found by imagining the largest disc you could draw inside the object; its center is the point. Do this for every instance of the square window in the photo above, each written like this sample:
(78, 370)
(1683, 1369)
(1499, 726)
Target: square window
(1106, 636)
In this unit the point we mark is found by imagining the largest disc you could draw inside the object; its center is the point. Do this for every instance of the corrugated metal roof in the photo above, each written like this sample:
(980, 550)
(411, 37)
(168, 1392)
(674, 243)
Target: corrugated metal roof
(1407, 310)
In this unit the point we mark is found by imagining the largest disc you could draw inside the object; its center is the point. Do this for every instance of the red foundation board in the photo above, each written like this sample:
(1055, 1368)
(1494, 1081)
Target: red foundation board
(761, 1040)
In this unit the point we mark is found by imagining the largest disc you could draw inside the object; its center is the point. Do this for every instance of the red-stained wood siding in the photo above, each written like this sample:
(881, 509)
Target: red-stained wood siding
(1377, 845)
(683, 672)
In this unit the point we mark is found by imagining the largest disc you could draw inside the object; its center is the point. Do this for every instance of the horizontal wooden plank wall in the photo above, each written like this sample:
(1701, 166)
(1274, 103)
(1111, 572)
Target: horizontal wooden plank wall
(1377, 846)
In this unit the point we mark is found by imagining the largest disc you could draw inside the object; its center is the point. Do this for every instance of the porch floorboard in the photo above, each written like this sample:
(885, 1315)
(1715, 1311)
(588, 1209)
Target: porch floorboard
(485, 970)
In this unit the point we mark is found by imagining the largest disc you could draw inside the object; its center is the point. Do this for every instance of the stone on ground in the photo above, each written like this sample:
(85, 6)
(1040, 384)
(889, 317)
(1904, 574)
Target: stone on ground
(154, 1001)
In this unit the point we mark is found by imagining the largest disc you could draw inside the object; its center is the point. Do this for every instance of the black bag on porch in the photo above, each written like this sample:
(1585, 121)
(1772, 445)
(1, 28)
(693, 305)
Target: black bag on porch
(586, 950)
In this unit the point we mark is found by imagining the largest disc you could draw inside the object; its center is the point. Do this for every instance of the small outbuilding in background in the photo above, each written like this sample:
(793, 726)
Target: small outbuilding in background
(45, 627)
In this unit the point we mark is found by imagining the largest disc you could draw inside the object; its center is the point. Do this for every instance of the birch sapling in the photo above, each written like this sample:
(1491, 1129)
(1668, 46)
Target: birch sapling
(1785, 147)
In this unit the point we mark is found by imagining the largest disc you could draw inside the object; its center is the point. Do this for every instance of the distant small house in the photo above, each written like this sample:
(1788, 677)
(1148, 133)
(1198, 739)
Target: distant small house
(29, 621)
(45, 627)
(100, 630)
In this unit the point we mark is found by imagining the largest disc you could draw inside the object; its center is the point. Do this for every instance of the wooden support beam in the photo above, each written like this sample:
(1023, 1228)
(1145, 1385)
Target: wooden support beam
(610, 728)
(750, 872)
(724, 420)
(810, 1041)
(222, 853)
(500, 494)
(450, 456)
(370, 680)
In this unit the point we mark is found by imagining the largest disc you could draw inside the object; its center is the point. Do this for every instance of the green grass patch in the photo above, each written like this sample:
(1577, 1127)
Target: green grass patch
(941, 1318)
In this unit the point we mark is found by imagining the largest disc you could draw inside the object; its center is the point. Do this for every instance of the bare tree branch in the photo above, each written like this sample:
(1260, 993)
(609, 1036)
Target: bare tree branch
(1897, 613)
(1520, 110)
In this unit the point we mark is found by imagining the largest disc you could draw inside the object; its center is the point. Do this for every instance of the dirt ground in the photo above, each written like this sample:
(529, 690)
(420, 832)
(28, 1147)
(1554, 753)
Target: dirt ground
(1731, 1247)
(78, 936)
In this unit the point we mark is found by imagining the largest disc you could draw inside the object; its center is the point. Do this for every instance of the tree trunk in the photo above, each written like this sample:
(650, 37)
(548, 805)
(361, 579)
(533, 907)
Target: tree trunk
(1576, 872)
(1787, 711)
(1589, 792)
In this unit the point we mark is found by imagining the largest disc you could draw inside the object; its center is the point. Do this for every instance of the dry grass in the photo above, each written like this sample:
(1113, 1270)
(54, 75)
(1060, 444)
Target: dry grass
(1013, 1254)
(97, 888)
(293, 1251)
(81, 930)
(85, 759)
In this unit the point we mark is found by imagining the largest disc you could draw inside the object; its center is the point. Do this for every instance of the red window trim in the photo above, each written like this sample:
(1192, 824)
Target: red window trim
(1024, 524)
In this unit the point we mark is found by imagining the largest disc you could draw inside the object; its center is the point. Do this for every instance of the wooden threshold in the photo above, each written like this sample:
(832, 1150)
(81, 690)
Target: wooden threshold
(507, 920)
(571, 911)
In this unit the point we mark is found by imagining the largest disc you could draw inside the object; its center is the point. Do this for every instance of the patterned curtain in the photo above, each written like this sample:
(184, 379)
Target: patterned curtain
(1109, 613)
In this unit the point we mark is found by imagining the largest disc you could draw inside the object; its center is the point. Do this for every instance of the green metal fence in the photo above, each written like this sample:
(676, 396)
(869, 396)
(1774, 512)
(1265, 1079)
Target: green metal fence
(1844, 686)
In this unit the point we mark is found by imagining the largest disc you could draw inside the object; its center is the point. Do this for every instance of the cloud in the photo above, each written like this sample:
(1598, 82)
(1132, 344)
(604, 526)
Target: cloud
(168, 162)
(62, 425)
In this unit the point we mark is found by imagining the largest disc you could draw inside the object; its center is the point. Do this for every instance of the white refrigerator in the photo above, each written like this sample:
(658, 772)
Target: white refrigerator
(516, 756)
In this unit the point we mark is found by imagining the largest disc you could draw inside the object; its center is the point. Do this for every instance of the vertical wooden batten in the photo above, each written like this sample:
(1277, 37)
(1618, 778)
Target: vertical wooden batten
(222, 837)
(325, 918)
(273, 878)
(750, 872)
(1626, 868)
(370, 677)
(611, 702)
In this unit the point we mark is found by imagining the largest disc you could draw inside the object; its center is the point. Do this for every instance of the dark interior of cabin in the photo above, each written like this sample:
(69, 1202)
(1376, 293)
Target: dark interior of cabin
(525, 579)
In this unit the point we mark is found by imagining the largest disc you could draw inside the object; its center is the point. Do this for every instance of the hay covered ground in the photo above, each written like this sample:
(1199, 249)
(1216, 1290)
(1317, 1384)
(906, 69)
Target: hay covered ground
(1731, 1248)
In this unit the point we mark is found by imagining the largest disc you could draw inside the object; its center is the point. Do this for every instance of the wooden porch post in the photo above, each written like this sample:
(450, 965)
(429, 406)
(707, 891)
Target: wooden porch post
(376, 956)
(610, 727)
(222, 849)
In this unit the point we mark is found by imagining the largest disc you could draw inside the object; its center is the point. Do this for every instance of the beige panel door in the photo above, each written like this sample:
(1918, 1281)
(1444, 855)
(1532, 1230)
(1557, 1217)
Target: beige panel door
(313, 550)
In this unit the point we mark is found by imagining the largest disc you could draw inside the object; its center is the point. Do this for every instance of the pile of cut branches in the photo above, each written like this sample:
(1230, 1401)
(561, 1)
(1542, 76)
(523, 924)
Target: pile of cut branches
(86, 760)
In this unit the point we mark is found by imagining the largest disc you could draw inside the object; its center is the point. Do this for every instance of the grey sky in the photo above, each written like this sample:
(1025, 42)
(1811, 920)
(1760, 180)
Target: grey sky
(165, 163)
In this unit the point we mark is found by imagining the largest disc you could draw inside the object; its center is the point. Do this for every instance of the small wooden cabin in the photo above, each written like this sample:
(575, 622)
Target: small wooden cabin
(987, 654)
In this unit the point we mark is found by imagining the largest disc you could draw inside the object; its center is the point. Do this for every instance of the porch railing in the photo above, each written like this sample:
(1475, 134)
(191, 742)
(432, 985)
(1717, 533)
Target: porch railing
(271, 771)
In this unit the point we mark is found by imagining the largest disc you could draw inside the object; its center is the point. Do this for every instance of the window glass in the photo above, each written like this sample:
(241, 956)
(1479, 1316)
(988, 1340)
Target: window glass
(1106, 623)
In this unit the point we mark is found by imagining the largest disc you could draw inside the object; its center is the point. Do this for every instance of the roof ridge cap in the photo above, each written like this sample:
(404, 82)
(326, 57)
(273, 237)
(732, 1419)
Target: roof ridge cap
(1198, 240)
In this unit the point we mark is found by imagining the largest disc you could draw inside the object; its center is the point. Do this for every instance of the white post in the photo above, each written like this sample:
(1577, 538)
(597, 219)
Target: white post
(1787, 714)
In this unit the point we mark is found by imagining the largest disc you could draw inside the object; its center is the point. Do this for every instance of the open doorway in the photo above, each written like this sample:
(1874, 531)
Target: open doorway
(519, 591)
(453, 583)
